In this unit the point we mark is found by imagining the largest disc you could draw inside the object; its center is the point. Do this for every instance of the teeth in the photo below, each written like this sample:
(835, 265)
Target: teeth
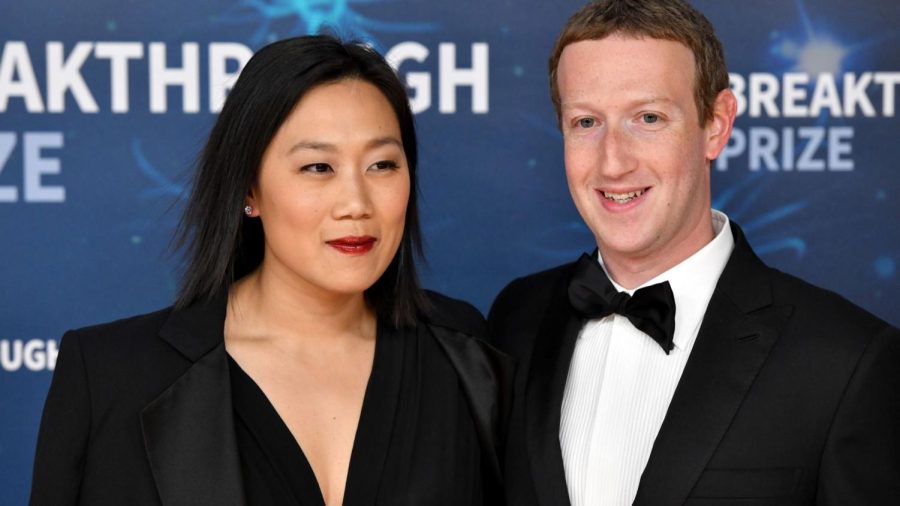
(621, 198)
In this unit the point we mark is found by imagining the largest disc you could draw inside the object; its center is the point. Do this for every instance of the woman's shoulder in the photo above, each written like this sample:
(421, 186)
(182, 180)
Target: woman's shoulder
(485, 374)
(120, 365)
(459, 328)
(119, 338)
(453, 314)
(145, 323)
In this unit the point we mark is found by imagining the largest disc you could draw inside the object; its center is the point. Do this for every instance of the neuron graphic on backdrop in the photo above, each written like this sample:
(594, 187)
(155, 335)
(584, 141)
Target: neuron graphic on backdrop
(163, 185)
(296, 17)
(814, 49)
(304, 17)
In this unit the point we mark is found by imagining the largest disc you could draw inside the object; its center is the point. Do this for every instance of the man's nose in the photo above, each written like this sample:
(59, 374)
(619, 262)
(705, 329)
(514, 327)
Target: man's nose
(617, 152)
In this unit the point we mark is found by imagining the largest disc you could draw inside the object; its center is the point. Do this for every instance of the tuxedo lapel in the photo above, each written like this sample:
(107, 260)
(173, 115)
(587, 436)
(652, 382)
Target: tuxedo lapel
(546, 384)
(740, 326)
(189, 429)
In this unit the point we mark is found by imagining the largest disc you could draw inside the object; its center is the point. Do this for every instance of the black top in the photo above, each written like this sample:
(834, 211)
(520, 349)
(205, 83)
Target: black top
(141, 412)
(415, 444)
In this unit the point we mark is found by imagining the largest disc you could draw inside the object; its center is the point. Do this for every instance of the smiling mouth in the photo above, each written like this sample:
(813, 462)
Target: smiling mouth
(622, 198)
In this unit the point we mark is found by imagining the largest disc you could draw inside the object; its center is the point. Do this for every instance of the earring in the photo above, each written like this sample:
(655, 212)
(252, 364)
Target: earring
(248, 210)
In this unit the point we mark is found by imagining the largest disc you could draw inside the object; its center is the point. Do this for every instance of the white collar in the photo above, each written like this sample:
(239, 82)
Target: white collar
(694, 280)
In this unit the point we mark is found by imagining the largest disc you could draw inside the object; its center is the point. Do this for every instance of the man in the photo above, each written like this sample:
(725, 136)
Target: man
(721, 380)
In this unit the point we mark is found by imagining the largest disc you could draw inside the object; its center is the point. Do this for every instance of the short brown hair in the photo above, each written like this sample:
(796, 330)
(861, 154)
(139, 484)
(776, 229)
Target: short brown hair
(657, 19)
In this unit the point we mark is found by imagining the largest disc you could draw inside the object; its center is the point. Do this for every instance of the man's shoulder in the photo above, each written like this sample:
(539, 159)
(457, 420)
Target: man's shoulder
(536, 288)
(818, 313)
(453, 314)
(520, 307)
(818, 307)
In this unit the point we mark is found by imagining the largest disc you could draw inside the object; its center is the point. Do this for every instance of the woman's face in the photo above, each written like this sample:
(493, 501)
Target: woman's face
(332, 190)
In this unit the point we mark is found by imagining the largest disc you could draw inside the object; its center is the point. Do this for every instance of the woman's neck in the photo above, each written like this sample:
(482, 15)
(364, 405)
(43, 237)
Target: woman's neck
(274, 306)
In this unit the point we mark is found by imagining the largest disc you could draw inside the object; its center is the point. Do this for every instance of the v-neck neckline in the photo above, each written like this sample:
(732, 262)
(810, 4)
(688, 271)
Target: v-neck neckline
(371, 440)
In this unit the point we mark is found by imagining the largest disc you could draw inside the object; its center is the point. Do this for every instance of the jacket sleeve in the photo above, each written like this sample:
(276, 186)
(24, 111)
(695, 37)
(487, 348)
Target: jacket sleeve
(63, 435)
(861, 460)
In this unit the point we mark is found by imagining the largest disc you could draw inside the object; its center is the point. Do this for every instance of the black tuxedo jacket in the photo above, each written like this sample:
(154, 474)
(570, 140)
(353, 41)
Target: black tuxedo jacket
(139, 411)
(791, 396)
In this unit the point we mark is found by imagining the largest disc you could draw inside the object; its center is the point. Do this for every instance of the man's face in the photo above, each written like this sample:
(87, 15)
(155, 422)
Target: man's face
(637, 158)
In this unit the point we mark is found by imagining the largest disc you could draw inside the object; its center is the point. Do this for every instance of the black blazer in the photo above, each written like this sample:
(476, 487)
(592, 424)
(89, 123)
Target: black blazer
(791, 396)
(139, 410)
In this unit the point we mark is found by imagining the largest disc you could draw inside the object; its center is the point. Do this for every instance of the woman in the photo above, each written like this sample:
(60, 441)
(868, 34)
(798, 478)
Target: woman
(301, 363)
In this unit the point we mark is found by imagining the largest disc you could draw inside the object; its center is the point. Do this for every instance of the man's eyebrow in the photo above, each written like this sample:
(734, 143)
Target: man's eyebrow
(636, 102)
(654, 100)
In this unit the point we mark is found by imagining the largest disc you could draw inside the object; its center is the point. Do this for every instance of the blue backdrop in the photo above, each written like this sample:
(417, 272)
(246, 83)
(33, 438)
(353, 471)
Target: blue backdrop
(105, 104)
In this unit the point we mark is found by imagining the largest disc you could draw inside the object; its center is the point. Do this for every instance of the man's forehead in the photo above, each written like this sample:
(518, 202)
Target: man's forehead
(626, 37)
(626, 59)
(614, 73)
(620, 58)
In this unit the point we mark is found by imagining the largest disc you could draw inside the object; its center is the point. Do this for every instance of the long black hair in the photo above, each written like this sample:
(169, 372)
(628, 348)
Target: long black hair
(221, 244)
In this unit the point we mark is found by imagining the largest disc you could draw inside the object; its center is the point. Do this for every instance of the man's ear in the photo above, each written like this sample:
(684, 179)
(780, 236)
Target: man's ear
(718, 128)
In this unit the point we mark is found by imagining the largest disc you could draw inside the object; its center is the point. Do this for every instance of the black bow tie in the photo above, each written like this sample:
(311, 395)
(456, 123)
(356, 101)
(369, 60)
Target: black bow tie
(651, 309)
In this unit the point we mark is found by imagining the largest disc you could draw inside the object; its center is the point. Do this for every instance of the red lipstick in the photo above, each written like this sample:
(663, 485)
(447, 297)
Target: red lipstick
(353, 245)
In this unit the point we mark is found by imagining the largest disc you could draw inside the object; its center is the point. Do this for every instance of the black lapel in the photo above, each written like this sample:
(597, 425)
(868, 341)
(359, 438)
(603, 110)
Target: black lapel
(546, 383)
(189, 429)
(740, 326)
(486, 376)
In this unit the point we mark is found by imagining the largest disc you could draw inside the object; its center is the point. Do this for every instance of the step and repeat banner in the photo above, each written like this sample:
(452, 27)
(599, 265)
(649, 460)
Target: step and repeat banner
(104, 106)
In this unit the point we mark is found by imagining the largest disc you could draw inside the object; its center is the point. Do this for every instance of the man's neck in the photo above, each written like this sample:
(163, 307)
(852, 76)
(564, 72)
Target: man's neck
(631, 271)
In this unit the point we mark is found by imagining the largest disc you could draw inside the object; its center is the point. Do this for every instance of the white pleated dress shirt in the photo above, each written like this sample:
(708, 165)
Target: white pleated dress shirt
(621, 382)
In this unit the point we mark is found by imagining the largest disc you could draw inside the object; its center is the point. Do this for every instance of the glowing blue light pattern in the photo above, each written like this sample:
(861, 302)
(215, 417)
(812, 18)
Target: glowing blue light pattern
(306, 17)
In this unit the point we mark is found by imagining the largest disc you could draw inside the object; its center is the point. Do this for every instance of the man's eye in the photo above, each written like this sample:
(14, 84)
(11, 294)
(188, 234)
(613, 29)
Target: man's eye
(650, 118)
(586, 122)
(318, 168)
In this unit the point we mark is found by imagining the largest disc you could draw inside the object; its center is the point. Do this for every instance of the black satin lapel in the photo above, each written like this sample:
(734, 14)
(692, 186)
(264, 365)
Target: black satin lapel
(195, 330)
(728, 353)
(545, 387)
(189, 437)
(486, 376)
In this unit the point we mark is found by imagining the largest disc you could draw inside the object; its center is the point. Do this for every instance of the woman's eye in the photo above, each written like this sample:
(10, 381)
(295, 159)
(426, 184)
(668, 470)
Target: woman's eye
(586, 122)
(385, 165)
(650, 118)
(318, 168)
